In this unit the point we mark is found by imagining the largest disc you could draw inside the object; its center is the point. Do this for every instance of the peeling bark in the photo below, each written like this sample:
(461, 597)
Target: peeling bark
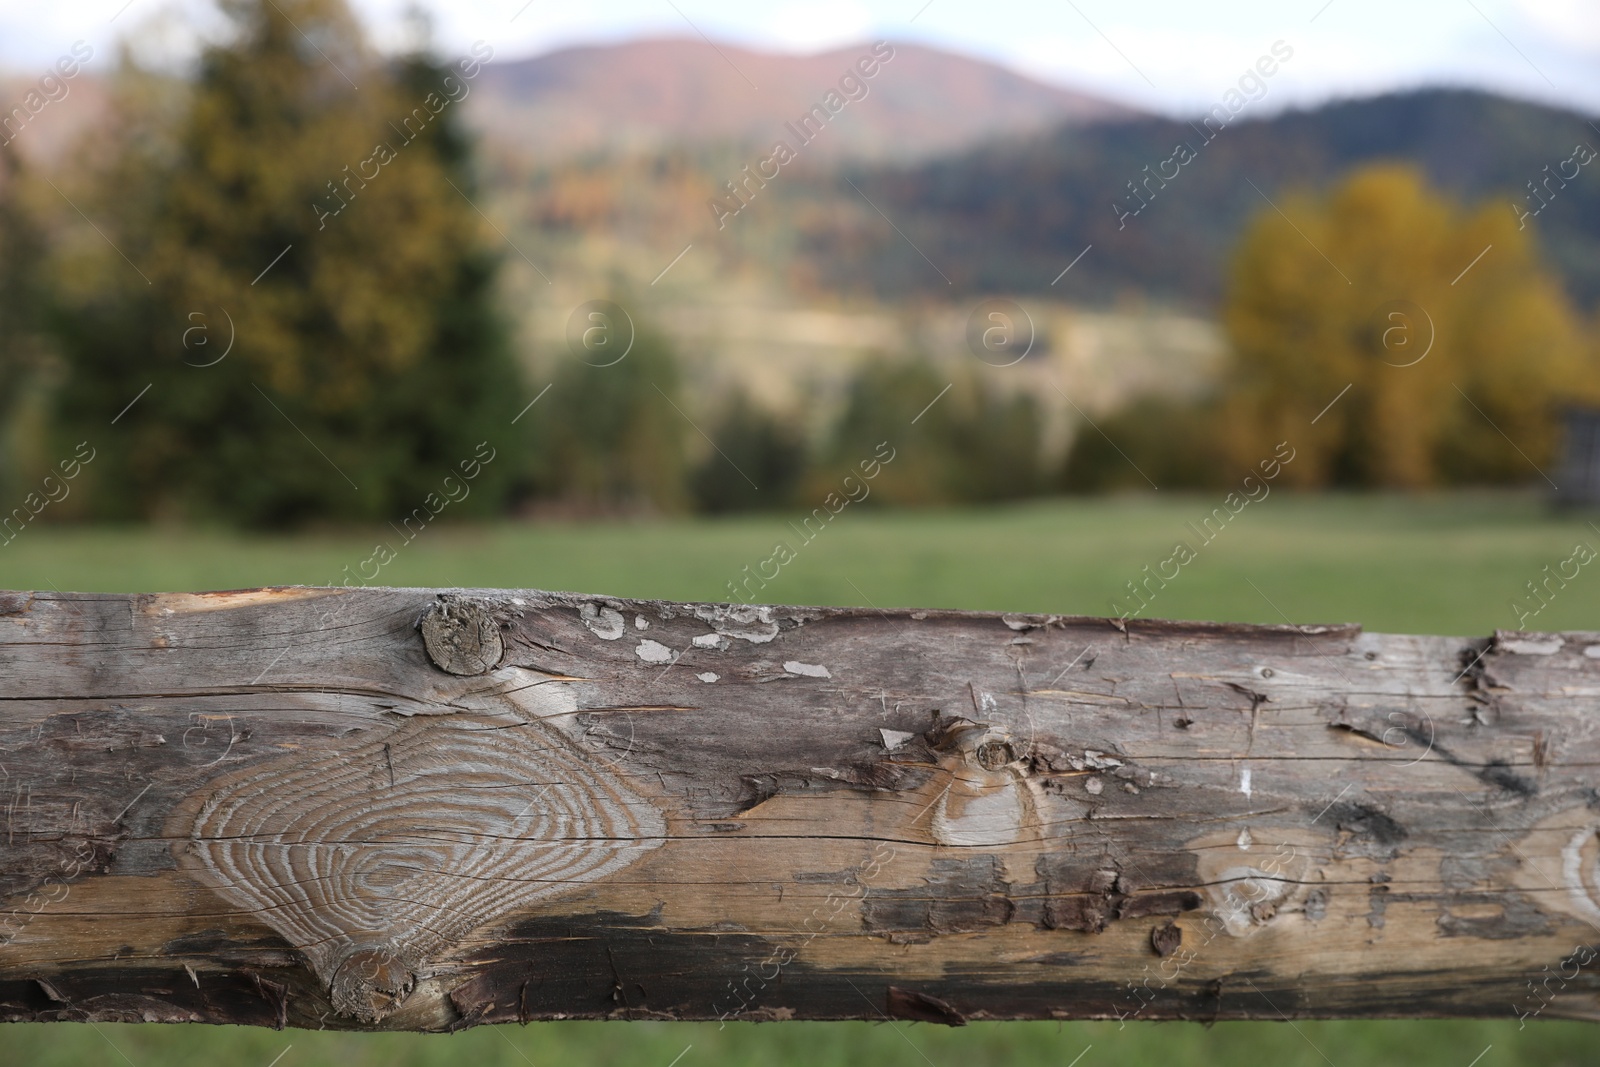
(419, 809)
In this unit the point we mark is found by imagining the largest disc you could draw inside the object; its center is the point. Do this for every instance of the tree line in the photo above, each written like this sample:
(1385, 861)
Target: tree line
(268, 294)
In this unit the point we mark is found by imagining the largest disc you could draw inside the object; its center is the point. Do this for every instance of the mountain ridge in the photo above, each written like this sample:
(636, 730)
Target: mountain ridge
(1008, 218)
(646, 94)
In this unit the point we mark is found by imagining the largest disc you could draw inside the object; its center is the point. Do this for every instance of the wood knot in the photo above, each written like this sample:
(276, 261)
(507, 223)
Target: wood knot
(376, 855)
(370, 984)
(990, 747)
(461, 637)
(1166, 938)
(993, 755)
(986, 801)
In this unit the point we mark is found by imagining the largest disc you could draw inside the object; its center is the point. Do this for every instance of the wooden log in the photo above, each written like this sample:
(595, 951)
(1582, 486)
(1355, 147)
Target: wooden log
(415, 809)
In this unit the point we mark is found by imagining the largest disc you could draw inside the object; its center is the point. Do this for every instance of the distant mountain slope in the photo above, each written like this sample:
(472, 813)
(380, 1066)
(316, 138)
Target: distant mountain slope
(649, 94)
(1009, 218)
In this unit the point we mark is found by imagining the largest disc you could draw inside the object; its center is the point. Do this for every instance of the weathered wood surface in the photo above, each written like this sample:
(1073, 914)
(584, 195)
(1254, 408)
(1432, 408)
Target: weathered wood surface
(390, 808)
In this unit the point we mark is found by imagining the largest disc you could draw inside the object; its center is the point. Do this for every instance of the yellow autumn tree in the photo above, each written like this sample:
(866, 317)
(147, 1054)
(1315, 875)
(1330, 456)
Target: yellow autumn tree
(1398, 339)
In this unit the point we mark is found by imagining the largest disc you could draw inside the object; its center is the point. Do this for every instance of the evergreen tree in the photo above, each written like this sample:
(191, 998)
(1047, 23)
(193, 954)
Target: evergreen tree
(612, 437)
(756, 464)
(21, 260)
(955, 439)
(1174, 443)
(311, 224)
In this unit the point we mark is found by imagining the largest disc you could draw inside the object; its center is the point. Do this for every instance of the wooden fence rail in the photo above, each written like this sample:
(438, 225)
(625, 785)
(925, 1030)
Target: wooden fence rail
(422, 809)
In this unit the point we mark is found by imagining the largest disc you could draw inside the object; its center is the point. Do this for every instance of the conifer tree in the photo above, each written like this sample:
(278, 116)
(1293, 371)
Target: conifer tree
(21, 257)
(300, 218)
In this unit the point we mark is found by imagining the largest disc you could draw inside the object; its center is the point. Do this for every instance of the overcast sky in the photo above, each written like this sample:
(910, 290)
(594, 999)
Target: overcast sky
(1168, 55)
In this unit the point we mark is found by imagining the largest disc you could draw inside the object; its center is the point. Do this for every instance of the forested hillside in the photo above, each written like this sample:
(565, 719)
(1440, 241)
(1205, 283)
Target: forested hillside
(1009, 218)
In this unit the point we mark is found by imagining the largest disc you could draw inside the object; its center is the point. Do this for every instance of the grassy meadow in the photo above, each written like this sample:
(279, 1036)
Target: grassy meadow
(1447, 564)
(1444, 564)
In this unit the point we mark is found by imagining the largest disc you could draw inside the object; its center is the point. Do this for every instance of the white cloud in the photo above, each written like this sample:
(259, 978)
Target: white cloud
(1574, 23)
(1190, 70)
(811, 27)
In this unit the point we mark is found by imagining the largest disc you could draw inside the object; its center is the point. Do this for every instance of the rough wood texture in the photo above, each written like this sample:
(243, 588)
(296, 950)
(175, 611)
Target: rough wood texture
(414, 809)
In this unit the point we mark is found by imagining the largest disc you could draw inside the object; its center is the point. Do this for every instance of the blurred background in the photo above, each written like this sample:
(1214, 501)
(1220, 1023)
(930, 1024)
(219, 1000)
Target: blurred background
(620, 298)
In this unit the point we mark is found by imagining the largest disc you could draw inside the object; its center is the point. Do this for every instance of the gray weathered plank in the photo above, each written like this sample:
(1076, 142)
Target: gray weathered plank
(415, 809)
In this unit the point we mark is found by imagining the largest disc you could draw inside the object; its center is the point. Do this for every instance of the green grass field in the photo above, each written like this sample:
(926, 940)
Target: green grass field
(1441, 564)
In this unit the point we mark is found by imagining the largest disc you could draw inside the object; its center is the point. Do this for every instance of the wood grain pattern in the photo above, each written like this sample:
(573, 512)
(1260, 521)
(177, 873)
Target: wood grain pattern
(373, 858)
(420, 809)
